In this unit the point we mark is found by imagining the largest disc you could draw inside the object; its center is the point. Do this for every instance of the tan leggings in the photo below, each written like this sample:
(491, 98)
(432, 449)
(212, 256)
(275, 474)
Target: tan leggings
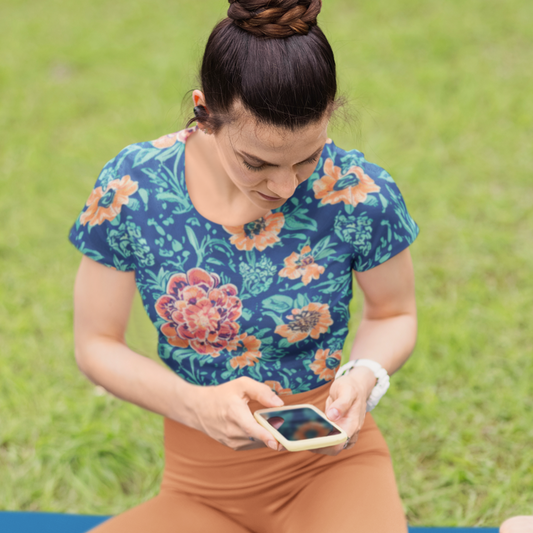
(209, 487)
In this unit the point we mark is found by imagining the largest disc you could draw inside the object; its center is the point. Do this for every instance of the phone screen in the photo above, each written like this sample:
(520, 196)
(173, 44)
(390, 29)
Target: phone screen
(300, 424)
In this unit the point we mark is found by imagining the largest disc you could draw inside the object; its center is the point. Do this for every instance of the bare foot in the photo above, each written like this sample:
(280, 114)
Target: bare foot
(518, 524)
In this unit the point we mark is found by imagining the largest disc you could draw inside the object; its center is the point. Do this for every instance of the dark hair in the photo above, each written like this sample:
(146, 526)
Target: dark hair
(271, 56)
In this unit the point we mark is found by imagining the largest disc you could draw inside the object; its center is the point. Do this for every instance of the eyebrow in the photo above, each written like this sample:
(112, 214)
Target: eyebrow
(261, 162)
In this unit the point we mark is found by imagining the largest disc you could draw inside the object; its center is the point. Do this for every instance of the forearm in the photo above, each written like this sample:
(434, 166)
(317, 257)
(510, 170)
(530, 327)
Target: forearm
(135, 378)
(389, 341)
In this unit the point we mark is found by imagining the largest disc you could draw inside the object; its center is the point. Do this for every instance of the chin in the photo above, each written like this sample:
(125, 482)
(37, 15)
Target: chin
(259, 200)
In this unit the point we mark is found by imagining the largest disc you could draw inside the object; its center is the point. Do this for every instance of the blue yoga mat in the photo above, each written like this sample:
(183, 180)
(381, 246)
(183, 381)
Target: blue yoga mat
(12, 522)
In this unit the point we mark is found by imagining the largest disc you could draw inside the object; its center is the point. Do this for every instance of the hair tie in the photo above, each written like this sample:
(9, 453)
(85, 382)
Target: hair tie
(199, 112)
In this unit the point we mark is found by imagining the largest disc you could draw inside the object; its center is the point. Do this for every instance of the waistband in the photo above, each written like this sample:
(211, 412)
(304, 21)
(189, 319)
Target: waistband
(316, 397)
(198, 464)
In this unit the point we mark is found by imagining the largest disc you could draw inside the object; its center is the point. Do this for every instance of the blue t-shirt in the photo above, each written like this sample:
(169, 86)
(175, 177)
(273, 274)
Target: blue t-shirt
(268, 299)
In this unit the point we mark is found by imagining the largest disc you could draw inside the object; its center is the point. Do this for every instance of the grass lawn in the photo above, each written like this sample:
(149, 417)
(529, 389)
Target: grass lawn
(441, 97)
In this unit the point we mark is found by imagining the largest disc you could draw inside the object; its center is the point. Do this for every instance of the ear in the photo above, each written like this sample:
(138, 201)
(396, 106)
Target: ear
(198, 98)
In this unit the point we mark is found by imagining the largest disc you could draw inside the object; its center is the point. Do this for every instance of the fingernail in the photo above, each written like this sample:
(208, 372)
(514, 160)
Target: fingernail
(333, 414)
(276, 400)
(273, 444)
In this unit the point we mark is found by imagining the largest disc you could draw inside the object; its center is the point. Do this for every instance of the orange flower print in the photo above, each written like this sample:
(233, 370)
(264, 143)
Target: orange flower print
(200, 313)
(351, 188)
(313, 319)
(106, 205)
(258, 234)
(311, 430)
(325, 365)
(301, 265)
(251, 354)
(277, 388)
(166, 141)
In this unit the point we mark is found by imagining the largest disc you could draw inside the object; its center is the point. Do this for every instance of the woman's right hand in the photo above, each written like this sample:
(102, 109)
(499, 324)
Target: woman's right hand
(222, 413)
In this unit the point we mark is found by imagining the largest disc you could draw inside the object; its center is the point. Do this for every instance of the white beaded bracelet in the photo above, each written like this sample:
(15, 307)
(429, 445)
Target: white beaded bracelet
(383, 380)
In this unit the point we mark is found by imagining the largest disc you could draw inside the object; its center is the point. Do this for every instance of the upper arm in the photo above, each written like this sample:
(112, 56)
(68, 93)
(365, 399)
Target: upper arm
(389, 289)
(102, 302)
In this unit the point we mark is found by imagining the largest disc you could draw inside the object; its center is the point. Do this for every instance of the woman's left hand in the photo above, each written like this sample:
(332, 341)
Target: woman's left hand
(346, 405)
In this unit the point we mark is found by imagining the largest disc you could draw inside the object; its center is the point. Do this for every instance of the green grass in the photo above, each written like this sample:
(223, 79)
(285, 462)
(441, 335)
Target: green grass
(441, 95)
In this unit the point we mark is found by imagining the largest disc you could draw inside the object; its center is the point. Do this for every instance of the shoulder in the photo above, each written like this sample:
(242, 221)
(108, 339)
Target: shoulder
(151, 169)
(364, 205)
(150, 154)
(346, 179)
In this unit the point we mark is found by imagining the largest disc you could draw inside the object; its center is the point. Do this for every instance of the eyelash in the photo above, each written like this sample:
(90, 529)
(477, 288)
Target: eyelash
(257, 169)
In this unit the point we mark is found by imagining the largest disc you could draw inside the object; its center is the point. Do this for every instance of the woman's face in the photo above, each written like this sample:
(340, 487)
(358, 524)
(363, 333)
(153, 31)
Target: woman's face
(267, 163)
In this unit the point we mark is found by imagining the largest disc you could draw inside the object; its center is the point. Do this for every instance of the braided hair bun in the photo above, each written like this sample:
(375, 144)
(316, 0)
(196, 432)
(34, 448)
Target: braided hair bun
(273, 58)
(275, 19)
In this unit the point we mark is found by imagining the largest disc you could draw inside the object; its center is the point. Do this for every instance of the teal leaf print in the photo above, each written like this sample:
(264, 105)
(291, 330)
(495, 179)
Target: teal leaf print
(301, 301)
(142, 156)
(170, 153)
(257, 277)
(93, 254)
(158, 228)
(384, 202)
(355, 231)
(128, 241)
(371, 201)
(278, 303)
(133, 204)
(143, 193)
(247, 314)
(277, 319)
(323, 248)
(165, 351)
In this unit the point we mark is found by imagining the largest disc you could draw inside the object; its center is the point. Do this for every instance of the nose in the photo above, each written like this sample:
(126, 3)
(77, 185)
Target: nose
(284, 186)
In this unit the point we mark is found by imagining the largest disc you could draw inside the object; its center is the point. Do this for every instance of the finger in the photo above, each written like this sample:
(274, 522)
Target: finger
(252, 429)
(341, 404)
(261, 393)
(276, 421)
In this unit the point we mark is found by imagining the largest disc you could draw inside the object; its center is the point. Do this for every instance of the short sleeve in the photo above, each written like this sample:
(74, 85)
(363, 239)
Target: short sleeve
(379, 226)
(103, 231)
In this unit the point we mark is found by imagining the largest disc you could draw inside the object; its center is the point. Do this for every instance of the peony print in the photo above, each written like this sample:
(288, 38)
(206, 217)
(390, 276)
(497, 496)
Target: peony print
(258, 234)
(311, 320)
(200, 313)
(301, 265)
(251, 355)
(351, 188)
(106, 205)
(325, 365)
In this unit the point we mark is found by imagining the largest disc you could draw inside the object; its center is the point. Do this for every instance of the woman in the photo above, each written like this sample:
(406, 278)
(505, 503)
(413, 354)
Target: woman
(241, 235)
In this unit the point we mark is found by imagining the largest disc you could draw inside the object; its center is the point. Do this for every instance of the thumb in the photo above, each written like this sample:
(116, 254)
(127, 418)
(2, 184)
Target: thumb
(262, 393)
(340, 402)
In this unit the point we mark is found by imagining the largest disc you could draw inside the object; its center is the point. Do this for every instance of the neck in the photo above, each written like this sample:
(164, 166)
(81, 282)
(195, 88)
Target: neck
(213, 176)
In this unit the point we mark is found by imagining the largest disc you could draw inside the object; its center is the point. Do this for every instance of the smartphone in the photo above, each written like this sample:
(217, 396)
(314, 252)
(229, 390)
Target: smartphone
(300, 427)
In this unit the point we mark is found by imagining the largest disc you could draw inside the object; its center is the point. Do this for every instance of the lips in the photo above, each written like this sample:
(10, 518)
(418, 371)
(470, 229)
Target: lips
(269, 198)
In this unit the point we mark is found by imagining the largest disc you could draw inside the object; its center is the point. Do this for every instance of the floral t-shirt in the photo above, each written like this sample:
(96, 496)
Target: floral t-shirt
(268, 299)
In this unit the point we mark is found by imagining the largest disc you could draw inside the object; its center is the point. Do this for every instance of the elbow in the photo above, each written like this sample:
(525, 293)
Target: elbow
(82, 360)
(85, 353)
